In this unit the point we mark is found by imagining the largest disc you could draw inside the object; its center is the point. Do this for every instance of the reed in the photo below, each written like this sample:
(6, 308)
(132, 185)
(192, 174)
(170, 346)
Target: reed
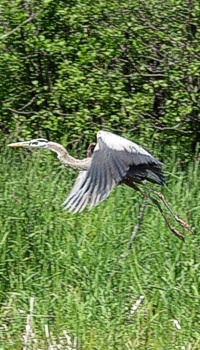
(71, 267)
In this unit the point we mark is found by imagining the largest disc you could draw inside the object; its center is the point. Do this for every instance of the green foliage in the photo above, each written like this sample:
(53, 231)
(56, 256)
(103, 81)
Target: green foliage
(71, 264)
(72, 68)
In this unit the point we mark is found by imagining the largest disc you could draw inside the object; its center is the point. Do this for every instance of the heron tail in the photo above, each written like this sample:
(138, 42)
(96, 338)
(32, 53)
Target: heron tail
(150, 173)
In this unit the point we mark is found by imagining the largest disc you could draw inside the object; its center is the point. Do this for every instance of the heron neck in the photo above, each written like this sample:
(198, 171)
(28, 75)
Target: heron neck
(68, 160)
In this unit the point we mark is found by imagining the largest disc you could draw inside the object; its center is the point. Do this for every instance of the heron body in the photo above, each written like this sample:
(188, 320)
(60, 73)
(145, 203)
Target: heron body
(113, 160)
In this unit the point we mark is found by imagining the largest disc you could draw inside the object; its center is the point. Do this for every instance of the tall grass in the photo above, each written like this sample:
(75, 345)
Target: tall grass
(71, 264)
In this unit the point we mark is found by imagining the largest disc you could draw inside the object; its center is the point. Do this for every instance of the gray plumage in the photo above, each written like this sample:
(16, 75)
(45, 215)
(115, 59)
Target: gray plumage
(114, 160)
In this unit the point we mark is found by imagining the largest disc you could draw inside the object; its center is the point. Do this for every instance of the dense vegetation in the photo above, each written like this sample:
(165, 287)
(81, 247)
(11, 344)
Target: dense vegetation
(74, 67)
(71, 264)
(67, 69)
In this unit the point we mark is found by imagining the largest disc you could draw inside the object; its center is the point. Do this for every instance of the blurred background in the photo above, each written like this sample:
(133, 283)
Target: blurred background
(70, 68)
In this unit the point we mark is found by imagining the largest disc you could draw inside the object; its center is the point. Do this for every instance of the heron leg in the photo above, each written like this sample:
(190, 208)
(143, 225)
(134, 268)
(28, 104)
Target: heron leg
(155, 201)
(172, 228)
(166, 204)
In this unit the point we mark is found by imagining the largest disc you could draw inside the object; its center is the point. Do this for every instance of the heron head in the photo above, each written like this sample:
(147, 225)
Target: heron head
(35, 143)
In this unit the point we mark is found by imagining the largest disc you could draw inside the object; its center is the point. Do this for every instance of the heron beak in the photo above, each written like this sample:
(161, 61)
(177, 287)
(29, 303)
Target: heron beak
(20, 144)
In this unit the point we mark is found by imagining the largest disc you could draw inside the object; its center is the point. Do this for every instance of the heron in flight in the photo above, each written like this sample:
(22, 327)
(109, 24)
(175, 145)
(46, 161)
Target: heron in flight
(111, 161)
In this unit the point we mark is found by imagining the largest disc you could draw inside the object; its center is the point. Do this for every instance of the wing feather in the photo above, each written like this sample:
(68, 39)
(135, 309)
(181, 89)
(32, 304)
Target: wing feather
(112, 158)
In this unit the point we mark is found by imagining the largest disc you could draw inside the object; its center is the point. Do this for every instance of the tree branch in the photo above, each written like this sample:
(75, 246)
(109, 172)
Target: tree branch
(136, 228)
(21, 25)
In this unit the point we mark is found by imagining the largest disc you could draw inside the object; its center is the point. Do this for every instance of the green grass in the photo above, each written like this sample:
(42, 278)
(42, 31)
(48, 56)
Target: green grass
(71, 264)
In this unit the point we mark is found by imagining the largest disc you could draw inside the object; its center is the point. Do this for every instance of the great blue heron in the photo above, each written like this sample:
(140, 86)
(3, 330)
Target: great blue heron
(111, 161)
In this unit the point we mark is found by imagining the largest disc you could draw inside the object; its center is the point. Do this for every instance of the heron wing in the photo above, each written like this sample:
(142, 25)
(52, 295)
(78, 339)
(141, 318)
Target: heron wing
(112, 158)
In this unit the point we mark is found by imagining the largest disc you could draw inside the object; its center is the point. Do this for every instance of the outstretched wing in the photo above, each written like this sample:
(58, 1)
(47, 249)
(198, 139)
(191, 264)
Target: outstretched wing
(112, 158)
